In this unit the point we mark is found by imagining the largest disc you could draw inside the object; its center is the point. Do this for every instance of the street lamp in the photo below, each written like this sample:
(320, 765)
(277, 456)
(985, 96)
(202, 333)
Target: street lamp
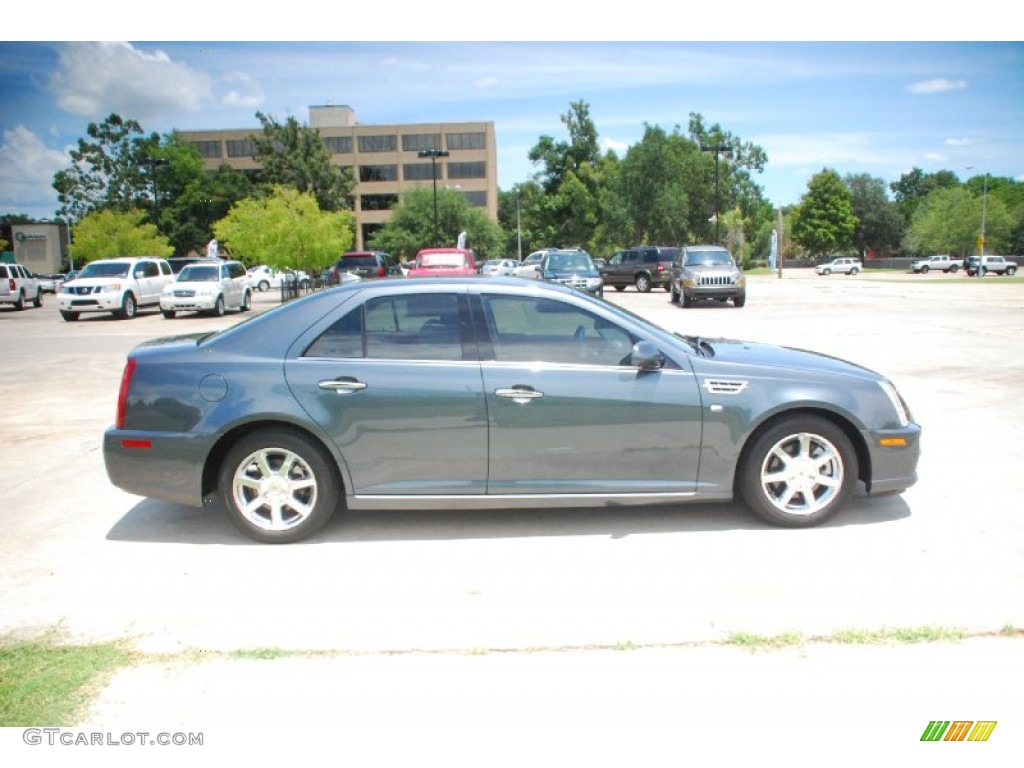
(519, 228)
(433, 154)
(718, 149)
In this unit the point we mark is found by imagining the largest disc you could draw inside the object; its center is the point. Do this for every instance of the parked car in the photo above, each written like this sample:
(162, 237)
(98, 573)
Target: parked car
(211, 286)
(443, 262)
(644, 266)
(975, 265)
(706, 272)
(571, 267)
(505, 267)
(493, 394)
(18, 286)
(842, 266)
(51, 283)
(941, 261)
(118, 286)
(263, 278)
(528, 266)
(364, 264)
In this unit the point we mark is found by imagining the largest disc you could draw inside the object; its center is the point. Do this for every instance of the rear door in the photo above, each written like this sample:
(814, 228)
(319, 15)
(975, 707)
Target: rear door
(396, 384)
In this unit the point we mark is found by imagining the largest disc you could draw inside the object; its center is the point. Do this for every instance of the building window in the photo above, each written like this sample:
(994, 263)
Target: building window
(466, 141)
(467, 170)
(241, 148)
(338, 145)
(378, 143)
(420, 171)
(207, 149)
(414, 142)
(377, 202)
(476, 199)
(378, 173)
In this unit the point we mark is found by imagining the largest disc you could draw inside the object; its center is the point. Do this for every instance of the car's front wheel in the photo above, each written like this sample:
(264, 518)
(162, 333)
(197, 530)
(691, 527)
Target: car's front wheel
(69, 317)
(799, 472)
(128, 307)
(739, 300)
(643, 283)
(1011, 271)
(854, 271)
(278, 486)
(218, 307)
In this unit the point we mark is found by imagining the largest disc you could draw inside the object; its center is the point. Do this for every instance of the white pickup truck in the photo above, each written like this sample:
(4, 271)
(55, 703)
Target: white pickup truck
(940, 262)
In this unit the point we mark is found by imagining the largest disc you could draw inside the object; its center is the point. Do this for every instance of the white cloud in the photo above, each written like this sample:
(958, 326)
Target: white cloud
(245, 92)
(27, 167)
(937, 85)
(959, 142)
(96, 79)
(935, 157)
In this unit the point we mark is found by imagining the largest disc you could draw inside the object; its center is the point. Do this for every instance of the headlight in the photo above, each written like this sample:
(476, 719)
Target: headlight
(111, 288)
(902, 412)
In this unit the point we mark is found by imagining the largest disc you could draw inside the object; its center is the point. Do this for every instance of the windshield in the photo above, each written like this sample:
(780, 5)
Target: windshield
(106, 269)
(708, 258)
(569, 262)
(441, 260)
(194, 274)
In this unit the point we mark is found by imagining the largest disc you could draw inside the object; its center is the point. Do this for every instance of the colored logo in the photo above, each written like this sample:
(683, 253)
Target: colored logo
(958, 730)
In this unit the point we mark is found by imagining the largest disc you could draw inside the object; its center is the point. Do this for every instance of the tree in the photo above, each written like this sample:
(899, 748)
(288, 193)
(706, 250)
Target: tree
(110, 171)
(913, 187)
(949, 221)
(294, 155)
(107, 233)
(880, 225)
(286, 229)
(824, 222)
(411, 226)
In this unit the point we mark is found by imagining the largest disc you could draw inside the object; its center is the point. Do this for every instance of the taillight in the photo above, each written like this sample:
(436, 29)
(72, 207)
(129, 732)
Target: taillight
(661, 266)
(11, 283)
(380, 271)
(122, 395)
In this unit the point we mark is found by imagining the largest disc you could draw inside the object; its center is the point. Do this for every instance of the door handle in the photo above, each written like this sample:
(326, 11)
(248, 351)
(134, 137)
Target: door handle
(519, 395)
(343, 386)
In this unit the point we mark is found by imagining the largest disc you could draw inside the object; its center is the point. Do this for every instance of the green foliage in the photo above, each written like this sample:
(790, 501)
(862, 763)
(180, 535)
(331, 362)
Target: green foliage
(294, 155)
(285, 229)
(949, 221)
(107, 171)
(824, 222)
(915, 186)
(108, 233)
(411, 226)
(880, 224)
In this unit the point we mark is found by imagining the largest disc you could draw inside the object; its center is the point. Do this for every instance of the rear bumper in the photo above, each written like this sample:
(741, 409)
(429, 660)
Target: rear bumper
(160, 465)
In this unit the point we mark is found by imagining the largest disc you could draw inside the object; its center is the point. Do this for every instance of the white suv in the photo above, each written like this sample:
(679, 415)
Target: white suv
(118, 286)
(18, 285)
(844, 266)
(208, 286)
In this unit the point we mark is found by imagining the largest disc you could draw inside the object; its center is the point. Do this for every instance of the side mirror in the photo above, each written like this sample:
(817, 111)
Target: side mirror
(600, 263)
(645, 356)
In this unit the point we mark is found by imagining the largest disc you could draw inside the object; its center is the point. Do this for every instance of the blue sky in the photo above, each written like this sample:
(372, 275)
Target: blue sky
(880, 108)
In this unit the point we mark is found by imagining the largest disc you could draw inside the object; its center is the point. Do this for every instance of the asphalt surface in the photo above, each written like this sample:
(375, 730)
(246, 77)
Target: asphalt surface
(550, 637)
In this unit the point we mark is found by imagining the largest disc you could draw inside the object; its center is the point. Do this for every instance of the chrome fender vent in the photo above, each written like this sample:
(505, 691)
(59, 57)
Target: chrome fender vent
(725, 386)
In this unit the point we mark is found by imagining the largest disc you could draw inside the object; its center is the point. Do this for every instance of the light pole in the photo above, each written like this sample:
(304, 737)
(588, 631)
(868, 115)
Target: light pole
(984, 206)
(519, 228)
(718, 149)
(153, 163)
(433, 154)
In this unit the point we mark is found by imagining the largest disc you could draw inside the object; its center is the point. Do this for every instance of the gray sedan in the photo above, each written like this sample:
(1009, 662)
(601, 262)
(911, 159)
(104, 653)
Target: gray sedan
(491, 394)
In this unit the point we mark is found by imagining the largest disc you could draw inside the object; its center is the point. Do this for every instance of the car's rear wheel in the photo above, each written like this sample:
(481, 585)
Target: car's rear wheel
(643, 283)
(19, 304)
(278, 486)
(263, 286)
(799, 472)
(854, 271)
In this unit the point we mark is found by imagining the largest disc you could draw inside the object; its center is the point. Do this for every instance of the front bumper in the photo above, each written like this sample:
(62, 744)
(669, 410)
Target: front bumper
(93, 302)
(893, 455)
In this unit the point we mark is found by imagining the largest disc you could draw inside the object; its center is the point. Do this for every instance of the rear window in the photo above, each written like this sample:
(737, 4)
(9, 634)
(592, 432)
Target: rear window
(359, 260)
(441, 260)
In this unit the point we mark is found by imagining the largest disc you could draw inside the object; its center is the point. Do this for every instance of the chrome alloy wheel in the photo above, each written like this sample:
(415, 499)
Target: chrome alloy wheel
(274, 489)
(802, 474)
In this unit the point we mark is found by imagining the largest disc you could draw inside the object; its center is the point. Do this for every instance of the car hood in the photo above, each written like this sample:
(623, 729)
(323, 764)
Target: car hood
(768, 356)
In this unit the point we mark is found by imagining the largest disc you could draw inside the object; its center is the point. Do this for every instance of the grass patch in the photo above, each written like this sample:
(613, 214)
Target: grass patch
(755, 642)
(42, 683)
(906, 635)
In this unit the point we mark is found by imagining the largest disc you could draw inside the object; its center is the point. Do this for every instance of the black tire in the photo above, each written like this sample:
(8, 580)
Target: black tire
(620, 288)
(69, 316)
(263, 286)
(924, 270)
(826, 272)
(129, 309)
(19, 305)
(643, 283)
(854, 271)
(278, 486)
(246, 302)
(674, 296)
(1011, 271)
(786, 493)
(168, 313)
(686, 301)
(954, 268)
(38, 301)
(218, 307)
(739, 301)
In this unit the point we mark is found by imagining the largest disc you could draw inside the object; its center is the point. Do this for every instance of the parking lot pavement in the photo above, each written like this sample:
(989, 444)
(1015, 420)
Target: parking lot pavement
(101, 564)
